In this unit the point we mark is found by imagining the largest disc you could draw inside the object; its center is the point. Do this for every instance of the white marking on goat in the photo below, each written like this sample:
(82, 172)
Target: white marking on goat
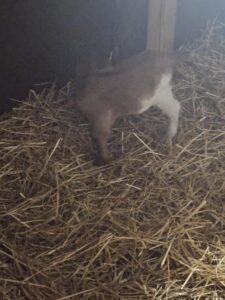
(162, 91)
(164, 99)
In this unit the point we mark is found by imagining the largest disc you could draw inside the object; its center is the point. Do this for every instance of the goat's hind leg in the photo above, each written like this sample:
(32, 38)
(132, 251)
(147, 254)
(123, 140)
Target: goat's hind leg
(170, 107)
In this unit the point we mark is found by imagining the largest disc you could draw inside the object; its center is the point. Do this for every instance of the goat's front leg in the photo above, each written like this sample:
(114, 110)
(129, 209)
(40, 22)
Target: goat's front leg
(101, 131)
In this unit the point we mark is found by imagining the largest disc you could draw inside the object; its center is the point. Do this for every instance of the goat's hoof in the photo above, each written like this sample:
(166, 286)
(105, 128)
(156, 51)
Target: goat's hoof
(172, 131)
(100, 161)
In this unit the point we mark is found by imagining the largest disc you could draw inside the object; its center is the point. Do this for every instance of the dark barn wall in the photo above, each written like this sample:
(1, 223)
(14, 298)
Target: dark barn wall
(46, 40)
(193, 16)
(130, 28)
(41, 41)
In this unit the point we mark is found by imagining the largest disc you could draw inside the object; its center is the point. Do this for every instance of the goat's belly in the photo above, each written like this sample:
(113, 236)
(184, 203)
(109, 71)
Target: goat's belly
(145, 104)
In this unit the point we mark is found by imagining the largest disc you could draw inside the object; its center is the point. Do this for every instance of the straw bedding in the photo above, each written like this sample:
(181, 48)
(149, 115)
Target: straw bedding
(149, 226)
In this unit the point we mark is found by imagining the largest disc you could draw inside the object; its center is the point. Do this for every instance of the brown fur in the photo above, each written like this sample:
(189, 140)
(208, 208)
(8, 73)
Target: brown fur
(116, 92)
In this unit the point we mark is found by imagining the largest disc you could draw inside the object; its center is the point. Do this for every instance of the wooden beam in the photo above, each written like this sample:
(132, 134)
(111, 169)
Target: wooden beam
(153, 29)
(161, 24)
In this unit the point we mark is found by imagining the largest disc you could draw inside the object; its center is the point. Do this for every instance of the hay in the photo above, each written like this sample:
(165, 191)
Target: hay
(149, 226)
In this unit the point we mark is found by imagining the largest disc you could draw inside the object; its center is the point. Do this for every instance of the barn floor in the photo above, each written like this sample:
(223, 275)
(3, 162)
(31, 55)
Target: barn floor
(149, 226)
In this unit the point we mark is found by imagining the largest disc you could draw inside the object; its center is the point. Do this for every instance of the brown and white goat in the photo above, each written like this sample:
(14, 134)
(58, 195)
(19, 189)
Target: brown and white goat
(129, 88)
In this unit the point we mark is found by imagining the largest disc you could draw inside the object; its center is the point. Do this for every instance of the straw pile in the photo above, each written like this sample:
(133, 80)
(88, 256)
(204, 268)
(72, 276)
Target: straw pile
(149, 226)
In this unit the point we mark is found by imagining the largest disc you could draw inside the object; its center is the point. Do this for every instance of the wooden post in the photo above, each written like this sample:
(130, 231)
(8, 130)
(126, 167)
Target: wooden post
(161, 24)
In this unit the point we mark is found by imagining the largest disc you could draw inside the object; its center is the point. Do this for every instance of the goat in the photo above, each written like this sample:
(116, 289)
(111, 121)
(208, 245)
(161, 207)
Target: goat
(129, 88)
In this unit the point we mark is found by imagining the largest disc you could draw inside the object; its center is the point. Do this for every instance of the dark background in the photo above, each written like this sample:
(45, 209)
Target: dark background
(46, 40)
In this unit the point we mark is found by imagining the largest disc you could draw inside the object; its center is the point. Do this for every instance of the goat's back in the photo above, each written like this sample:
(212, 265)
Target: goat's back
(120, 88)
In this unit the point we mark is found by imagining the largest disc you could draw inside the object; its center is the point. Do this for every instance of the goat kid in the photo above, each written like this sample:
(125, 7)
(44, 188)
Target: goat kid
(131, 87)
